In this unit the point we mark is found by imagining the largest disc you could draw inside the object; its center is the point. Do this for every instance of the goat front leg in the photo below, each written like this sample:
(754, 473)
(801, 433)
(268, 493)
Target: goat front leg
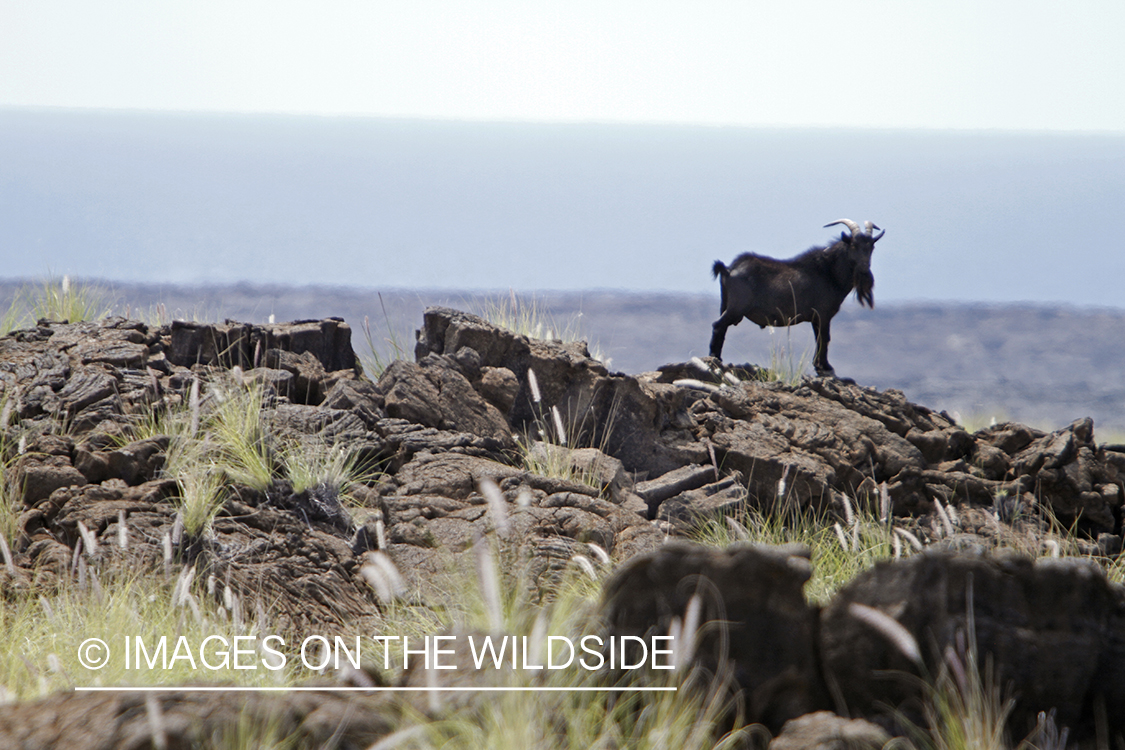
(822, 328)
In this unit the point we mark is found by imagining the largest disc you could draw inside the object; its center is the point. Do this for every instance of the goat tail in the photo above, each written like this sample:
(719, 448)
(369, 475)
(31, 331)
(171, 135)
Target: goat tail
(722, 273)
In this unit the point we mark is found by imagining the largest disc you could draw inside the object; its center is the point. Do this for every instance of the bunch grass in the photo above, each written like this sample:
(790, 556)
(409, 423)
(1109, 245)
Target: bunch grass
(528, 316)
(39, 653)
(10, 439)
(380, 352)
(525, 317)
(241, 445)
(63, 300)
(869, 541)
(220, 440)
(967, 710)
(785, 365)
(557, 461)
(56, 299)
(11, 318)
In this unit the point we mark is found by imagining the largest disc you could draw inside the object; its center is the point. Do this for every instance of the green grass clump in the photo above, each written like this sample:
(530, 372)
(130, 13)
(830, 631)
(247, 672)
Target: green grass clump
(839, 551)
(39, 653)
(525, 317)
(63, 300)
(693, 720)
(10, 503)
(56, 300)
(1115, 570)
(218, 439)
(314, 463)
(529, 317)
(193, 458)
(786, 367)
(202, 494)
(241, 445)
(11, 318)
(967, 710)
(555, 461)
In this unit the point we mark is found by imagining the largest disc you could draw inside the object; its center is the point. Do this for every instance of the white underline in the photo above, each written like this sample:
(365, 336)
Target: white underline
(195, 689)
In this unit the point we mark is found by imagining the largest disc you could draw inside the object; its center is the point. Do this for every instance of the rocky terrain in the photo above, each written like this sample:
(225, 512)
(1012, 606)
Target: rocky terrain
(656, 452)
(1042, 365)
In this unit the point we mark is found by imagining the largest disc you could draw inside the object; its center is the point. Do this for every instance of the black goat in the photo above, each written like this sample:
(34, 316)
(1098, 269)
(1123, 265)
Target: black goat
(810, 287)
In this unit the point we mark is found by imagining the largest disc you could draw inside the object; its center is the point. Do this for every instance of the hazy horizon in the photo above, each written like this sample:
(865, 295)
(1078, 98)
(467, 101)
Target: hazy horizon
(408, 204)
(116, 286)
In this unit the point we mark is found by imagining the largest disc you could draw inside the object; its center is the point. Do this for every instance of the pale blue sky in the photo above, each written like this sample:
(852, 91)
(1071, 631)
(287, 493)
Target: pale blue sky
(966, 64)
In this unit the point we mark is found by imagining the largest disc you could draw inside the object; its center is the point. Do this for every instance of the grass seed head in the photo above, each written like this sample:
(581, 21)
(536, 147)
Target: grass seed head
(889, 628)
(533, 384)
(497, 505)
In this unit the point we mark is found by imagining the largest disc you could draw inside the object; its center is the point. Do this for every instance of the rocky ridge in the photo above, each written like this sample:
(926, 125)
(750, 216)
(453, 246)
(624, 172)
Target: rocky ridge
(686, 442)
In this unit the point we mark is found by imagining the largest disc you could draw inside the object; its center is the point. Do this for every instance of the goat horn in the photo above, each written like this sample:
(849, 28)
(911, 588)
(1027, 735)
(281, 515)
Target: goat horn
(851, 225)
(872, 225)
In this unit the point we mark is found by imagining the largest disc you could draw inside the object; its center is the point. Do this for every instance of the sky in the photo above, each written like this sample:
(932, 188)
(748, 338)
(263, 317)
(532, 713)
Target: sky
(621, 144)
(963, 64)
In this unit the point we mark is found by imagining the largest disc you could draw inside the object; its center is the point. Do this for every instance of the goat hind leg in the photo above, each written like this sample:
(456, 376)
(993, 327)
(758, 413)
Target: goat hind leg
(719, 332)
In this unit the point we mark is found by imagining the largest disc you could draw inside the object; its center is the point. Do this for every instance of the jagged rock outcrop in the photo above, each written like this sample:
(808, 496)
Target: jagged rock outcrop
(435, 393)
(434, 507)
(623, 416)
(806, 444)
(328, 342)
(69, 393)
(683, 452)
(90, 376)
(1050, 629)
(1050, 632)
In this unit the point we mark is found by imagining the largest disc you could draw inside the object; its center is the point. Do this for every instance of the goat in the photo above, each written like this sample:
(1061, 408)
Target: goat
(810, 287)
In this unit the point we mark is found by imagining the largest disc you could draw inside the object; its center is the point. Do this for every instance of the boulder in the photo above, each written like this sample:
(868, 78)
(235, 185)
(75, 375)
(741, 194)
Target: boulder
(434, 393)
(135, 463)
(655, 491)
(1051, 629)
(755, 626)
(688, 510)
(40, 474)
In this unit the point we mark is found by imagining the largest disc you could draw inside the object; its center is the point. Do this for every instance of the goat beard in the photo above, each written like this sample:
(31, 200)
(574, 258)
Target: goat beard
(864, 287)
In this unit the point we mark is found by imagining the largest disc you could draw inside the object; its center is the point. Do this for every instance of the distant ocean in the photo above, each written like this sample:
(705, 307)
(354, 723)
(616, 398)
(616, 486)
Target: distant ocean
(380, 204)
